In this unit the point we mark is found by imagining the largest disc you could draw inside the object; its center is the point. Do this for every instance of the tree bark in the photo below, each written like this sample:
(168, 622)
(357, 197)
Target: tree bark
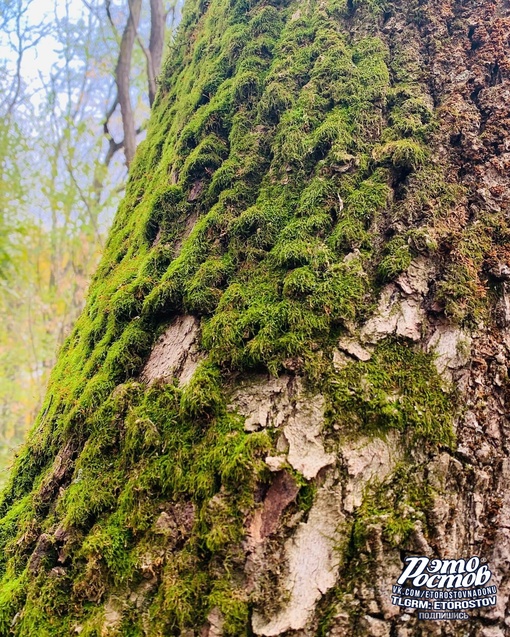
(292, 371)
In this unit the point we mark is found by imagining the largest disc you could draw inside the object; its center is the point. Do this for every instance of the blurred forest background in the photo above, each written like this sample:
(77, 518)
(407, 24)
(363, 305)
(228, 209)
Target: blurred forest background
(77, 78)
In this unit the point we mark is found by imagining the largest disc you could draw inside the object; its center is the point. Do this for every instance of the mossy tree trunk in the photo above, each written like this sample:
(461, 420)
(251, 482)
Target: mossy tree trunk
(292, 368)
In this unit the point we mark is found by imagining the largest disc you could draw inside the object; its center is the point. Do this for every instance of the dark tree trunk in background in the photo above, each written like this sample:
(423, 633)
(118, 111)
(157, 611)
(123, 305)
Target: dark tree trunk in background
(156, 45)
(292, 370)
(153, 54)
(122, 78)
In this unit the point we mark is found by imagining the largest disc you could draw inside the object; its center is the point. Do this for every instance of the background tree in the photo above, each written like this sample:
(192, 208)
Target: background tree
(62, 175)
(292, 368)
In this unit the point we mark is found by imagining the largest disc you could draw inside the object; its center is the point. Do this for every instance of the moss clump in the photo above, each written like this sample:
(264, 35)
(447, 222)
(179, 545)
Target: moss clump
(398, 388)
(462, 290)
(153, 448)
(265, 321)
(395, 505)
(404, 154)
(396, 258)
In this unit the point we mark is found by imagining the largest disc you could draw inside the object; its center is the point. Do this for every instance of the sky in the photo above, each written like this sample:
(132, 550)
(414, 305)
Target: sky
(39, 60)
(39, 63)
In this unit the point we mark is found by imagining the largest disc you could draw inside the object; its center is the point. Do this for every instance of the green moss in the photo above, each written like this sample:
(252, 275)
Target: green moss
(372, 5)
(275, 101)
(306, 496)
(404, 154)
(399, 388)
(265, 323)
(422, 241)
(107, 543)
(203, 395)
(233, 605)
(168, 457)
(369, 198)
(462, 290)
(299, 283)
(12, 597)
(93, 491)
(410, 116)
(396, 259)
(204, 159)
(396, 504)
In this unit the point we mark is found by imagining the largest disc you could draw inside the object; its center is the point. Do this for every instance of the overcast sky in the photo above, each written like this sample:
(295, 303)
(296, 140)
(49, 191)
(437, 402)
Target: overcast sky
(39, 60)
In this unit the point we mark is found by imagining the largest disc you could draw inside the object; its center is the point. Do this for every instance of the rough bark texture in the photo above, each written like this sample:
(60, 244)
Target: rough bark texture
(292, 371)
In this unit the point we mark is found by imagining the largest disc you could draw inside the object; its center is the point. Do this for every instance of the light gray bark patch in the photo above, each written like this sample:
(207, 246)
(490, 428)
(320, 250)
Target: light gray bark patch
(265, 402)
(395, 315)
(214, 628)
(303, 433)
(452, 347)
(113, 611)
(312, 566)
(400, 310)
(283, 403)
(175, 354)
(367, 460)
(353, 348)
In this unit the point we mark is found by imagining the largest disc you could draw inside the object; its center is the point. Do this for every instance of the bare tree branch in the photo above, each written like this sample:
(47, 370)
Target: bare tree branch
(27, 37)
(154, 52)
(110, 19)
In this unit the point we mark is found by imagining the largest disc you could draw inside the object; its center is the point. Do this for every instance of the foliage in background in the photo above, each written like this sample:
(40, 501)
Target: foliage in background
(61, 177)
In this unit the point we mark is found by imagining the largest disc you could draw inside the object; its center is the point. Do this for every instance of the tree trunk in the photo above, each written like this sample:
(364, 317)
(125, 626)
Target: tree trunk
(122, 78)
(291, 373)
(156, 45)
